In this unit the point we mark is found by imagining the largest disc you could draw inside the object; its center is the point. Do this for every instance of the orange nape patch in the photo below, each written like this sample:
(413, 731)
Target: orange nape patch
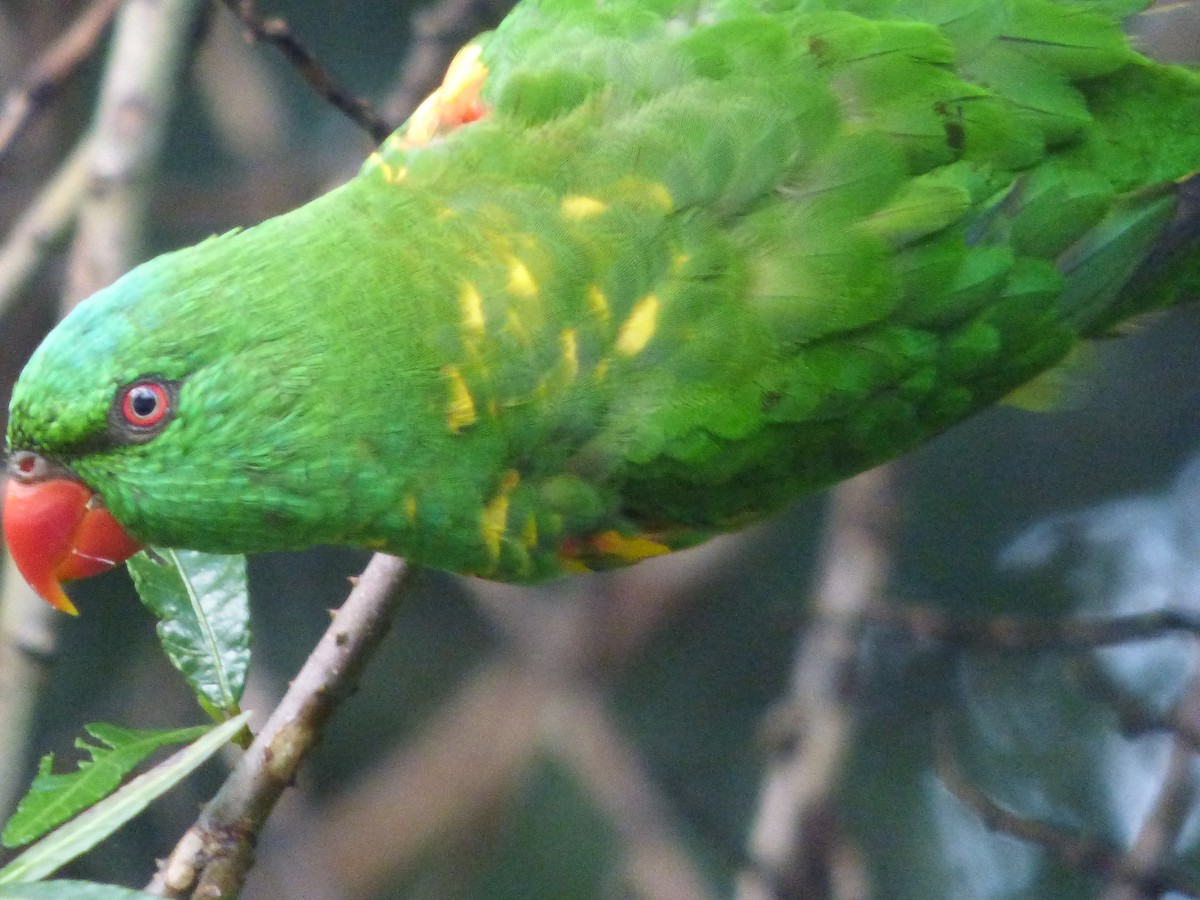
(455, 103)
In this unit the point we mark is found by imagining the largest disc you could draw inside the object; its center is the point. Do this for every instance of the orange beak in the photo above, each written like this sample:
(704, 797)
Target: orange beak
(58, 530)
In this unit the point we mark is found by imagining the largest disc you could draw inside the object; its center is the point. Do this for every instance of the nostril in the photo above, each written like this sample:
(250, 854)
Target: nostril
(25, 465)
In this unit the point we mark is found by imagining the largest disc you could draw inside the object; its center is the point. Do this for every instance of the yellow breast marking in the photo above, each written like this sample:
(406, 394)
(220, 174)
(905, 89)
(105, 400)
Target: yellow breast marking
(639, 327)
(460, 411)
(493, 521)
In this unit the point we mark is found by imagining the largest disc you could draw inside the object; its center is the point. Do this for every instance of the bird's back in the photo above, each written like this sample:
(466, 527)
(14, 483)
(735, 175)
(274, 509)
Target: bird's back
(729, 255)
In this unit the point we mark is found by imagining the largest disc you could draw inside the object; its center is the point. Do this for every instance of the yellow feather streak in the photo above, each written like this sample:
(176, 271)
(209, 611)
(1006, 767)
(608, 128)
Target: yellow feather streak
(598, 303)
(520, 280)
(639, 327)
(529, 534)
(460, 412)
(391, 174)
(472, 309)
(579, 207)
(570, 345)
(493, 521)
(628, 549)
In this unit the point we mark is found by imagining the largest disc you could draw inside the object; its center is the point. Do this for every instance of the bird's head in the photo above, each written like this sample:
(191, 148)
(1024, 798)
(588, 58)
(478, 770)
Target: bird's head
(263, 390)
(120, 421)
(86, 415)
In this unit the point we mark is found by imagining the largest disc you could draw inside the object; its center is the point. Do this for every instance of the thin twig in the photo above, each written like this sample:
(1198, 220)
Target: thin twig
(1155, 843)
(1078, 852)
(1007, 634)
(1159, 834)
(275, 31)
(51, 71)
(1135, 718)
(215, 856)
(792, 845)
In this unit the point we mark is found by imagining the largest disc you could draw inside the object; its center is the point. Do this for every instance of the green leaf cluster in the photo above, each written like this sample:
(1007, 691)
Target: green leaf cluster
(201, 602)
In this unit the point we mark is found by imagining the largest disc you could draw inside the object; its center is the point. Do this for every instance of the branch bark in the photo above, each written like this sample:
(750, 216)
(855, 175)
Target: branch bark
(43, 225)
(28, 642)
(1005, 634)
(1154, 848)
(791, 848)
(51, 71)
(1080, 852)
(542, 693)
(276, 32)
(216, 854)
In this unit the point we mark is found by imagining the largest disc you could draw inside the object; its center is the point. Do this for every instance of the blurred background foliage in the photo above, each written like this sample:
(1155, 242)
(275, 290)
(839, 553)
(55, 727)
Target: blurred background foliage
(614, 736)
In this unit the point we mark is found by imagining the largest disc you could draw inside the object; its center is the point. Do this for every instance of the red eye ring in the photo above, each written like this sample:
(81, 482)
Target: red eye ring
(145, 404)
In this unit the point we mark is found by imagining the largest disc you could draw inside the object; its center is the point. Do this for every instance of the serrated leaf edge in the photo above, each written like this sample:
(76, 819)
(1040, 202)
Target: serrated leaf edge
(95, 767)
(93, 825)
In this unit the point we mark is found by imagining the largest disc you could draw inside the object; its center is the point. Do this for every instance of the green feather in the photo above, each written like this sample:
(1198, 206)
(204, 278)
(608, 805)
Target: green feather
(680, 262)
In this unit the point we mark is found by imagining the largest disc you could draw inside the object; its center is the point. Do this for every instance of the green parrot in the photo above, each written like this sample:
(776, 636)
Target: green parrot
(636, 273)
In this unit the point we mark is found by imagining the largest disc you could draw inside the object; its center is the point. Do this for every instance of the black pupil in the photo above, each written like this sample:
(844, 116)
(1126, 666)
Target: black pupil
(143, 401)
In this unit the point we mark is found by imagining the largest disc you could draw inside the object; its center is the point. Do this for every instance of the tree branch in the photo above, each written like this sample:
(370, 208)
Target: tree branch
(216, 854)
(51, 71)
(43, 225)
(1007, 634)
(584, 736)
(1134, 717)
(1076, 851)
(431, 792)
(1159, 834)
(275, 31)
(140, 82)
(790, 844)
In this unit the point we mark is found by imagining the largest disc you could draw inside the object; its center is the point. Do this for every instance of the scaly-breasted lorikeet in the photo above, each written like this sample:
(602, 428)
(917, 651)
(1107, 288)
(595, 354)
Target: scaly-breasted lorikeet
(638, 272)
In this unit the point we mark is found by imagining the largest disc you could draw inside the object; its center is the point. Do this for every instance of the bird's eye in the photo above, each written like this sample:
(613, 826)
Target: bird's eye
(145, 404)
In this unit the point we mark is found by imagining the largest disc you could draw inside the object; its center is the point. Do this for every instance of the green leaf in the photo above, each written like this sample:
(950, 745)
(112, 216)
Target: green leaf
(54, 798)
(89, 828)
(202, 604)
(70, 890)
